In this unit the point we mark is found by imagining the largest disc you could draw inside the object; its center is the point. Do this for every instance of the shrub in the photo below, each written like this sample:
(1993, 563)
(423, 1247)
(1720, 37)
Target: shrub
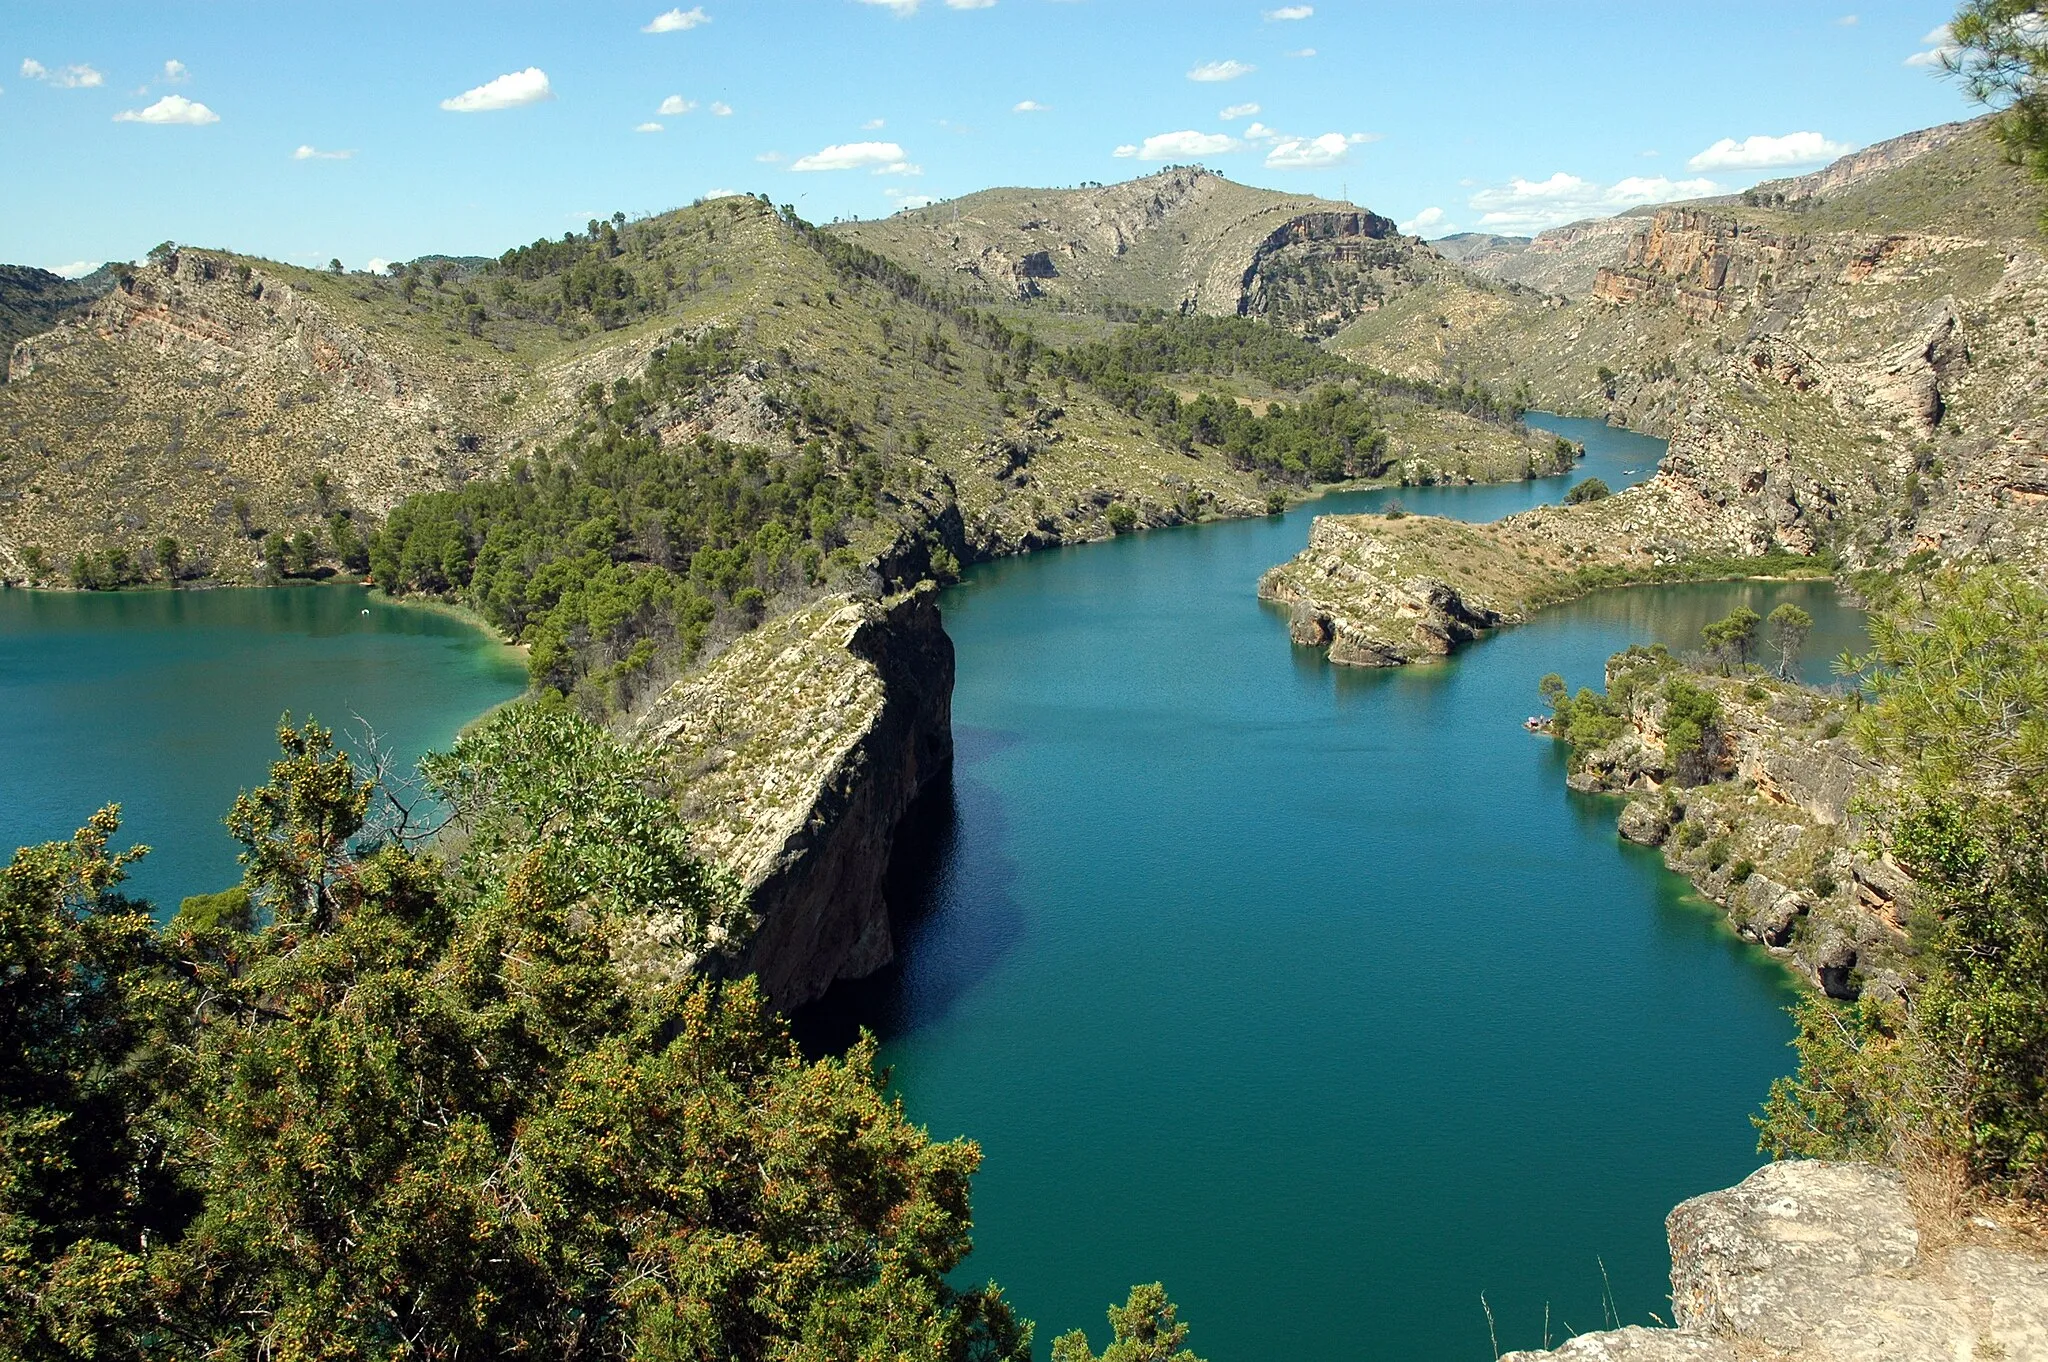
(1589, 489)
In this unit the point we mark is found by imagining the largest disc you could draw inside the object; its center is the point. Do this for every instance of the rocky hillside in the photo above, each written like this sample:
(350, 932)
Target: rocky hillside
(1564, 260)
(1183, 240)
(33, 300)
(1836, 1262)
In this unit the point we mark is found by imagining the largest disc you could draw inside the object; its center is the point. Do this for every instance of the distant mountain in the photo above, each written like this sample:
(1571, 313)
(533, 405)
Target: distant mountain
(1184, 240)
(1464, 247)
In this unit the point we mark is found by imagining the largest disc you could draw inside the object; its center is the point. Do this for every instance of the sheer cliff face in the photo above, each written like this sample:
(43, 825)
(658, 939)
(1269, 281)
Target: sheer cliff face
(800, 750)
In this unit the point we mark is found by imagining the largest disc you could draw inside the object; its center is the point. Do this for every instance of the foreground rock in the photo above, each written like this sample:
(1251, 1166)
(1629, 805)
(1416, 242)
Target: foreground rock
(800, 750)
(1824, 1262)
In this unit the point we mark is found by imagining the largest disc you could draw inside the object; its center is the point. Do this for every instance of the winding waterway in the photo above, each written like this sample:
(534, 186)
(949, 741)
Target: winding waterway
(1312, 991)
(1309, 991)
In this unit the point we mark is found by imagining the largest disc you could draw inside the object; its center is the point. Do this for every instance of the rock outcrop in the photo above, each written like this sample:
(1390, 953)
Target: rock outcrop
(799, 750)
(1825, 1262)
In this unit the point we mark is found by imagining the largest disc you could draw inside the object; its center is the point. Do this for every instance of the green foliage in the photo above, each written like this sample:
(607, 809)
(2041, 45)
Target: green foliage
(1145, 1328)
(1122, 517)
(536, 785)
(1790, 627)
(1690, 718)
(617, 554)
(433, 1120)
(1955, 687)
(1585, 490)
(2000, 50)
(1733, 639)
(107, 569)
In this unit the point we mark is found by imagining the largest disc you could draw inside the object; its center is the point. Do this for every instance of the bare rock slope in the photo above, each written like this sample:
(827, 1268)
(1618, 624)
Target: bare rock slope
(800, 750)
(1825, 1262)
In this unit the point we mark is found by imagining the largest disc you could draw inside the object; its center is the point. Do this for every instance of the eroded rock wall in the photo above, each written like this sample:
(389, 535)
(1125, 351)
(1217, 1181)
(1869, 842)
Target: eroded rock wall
(800, 749)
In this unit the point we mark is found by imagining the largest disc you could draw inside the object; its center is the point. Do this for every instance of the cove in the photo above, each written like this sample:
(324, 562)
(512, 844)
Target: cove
(1311, 991)
(167, 702)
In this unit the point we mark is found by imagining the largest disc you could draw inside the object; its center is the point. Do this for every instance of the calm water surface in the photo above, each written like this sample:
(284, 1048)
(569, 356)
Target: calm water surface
(167, 702)
(1312, 991)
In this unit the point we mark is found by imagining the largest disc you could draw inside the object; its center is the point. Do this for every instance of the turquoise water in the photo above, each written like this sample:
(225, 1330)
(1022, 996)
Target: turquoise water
(1311, 991)
(167, 702)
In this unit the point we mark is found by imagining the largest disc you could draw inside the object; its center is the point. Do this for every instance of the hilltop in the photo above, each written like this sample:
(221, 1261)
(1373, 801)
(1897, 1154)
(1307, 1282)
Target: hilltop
(1183, 240)
(33, 300)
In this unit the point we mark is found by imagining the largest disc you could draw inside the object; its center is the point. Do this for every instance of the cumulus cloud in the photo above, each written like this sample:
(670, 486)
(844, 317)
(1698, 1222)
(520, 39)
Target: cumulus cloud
(1302, 52)
(724, 194)
(169, 110)
(309, 153)
(649, 126)
(1522, 206)
(1221, 70)
(76, 77)
(900, 168)
(902, 9)
(176, 72)
(1313, 153)
(508, 91)
(677, 20)
(720, 109)
(1935, 49)
(77, 269)
(1848, 21)
(852, 156)
(675, 106)
(907, 201)
(874, 124)
(771, 158)
(376, 264)
(1764, 153)
(1238, 111)
(1289, 12)
(1183, 145)
(1423, 221)
(1028, 106)
(970, 4)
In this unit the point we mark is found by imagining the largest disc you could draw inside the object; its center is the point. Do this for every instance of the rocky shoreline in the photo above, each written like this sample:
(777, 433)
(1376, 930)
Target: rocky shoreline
(1806, 1261)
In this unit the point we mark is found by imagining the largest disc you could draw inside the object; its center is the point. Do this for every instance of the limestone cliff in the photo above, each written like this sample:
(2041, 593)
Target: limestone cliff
(1766, 822)
(1827, 1262)
(798, 751)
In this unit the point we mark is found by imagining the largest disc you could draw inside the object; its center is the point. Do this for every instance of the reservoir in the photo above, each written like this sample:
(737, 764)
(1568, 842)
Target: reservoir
(1307, 990)
(167, 703)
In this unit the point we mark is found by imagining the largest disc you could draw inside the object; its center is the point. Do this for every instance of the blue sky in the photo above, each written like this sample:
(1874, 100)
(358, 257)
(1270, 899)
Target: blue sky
(383, 131)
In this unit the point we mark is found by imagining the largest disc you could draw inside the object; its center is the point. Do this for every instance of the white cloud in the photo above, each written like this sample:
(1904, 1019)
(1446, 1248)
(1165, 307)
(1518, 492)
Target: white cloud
(677, 20)
(1936, 49)
(309, 153)
(904, 200)
(874, 124)
(1302, 52)
(1177, 146)
(649, 126)
(77, 269)
(1028, 106)
(1310, 153)
(1287, 12)
(675, 106)
(1848, 21)
(724, 194)
(77, 77)
(1423, 221)
(720, 109)
(506, 92)
(771, 158)
(902, 9)
(899, 168)
(1126, 151)
(1221, 70)
(1238, 111)
(176, 72)
(170, 109)
(1764, 153)
(1522, 206)
(852, 156)
(970, 4)
(376, 264)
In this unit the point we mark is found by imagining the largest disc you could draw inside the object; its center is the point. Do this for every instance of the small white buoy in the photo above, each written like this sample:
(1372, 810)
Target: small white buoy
(366, 612)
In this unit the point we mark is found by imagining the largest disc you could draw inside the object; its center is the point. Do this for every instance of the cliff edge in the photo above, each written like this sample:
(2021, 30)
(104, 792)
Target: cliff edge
(1825, 1262)
(798, 752)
